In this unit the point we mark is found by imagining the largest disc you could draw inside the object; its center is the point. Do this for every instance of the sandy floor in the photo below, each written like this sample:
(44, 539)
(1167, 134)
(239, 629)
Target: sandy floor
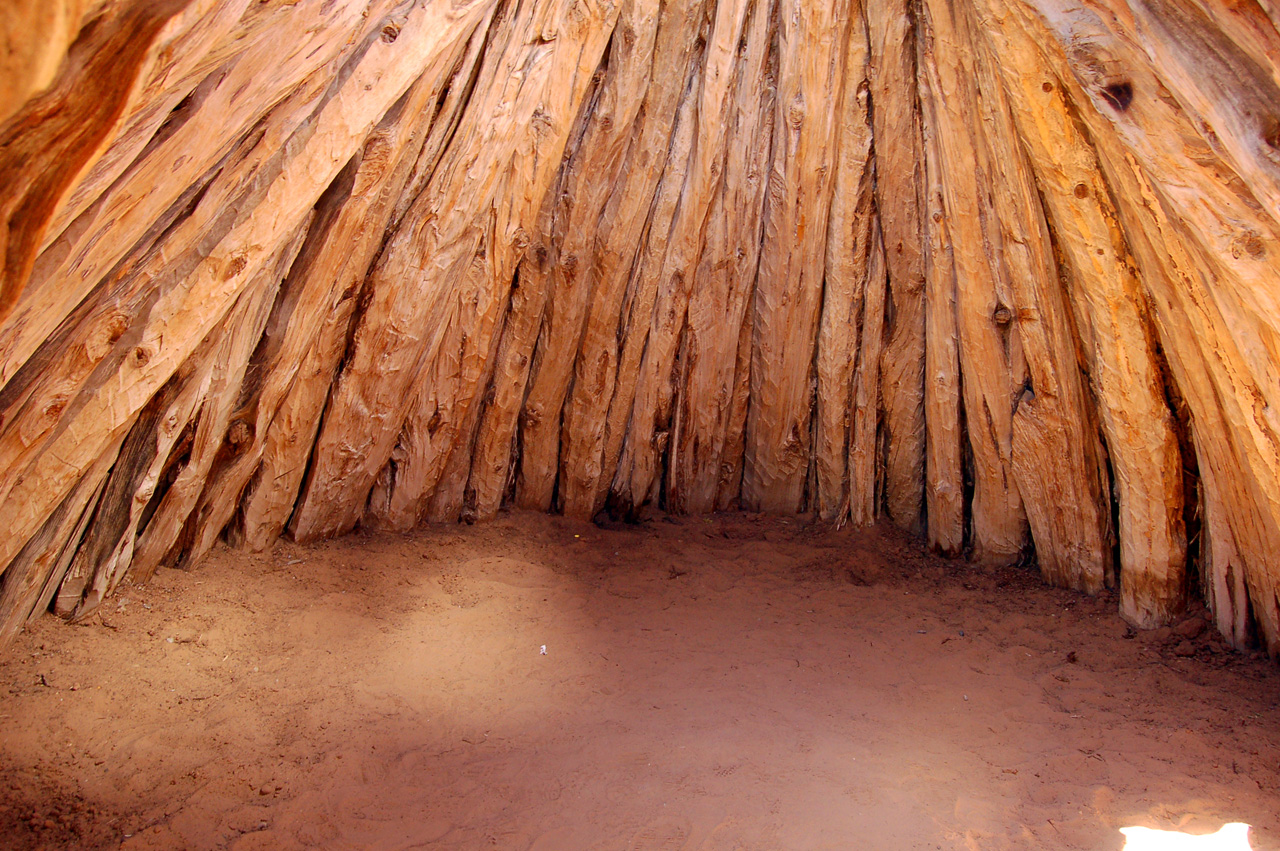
(722, 683)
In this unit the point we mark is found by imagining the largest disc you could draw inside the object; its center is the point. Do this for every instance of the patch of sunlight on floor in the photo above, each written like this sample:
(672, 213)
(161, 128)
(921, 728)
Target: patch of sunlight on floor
(1231, 837)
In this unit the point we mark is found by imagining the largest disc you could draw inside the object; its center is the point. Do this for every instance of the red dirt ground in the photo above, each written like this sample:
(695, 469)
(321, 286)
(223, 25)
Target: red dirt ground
(718, 683)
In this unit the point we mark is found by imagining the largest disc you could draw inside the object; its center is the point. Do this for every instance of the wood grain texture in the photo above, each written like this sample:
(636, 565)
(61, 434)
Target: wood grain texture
(996, 270)
(851, 227)
(899, 173)
(813, 41)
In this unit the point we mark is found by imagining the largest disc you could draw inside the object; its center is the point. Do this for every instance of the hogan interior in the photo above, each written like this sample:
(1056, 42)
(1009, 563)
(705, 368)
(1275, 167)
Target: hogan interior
(1001, 274)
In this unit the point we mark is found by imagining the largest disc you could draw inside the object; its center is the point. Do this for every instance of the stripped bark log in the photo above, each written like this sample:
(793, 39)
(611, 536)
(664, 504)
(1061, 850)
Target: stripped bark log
(1057, 459)
(813, 42)
(989, 344)
(345, 258)
(704, 472)
(899, 170)
(850, 228)
(583, 446)
(944, 493)
(1108, 299)
(866, 480)
(460, 263)
(571, 280)
(639, 478)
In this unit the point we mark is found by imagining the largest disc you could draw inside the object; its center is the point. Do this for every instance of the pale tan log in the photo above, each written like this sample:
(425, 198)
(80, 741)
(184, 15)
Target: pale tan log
(193, 289)
(353, 216)
(812, 43)
(648, 437)
(35, 574)
(183, 117)
(584, 472)
(733, 456)
(944, 493)
(704, 473)
(1247, 28)
(346, 234)
(206, 36)
(1058, 462)
(213, 383)
(590, 178)
(866, 476)
(457, 360)
(490, 469)
(224, 450)
(850, 228)
(270, 497)
(1222, 567)
(984, 306)
(402, 326)
(1191, 228)
(109, 539)
(1107, 296)
(899, 171)
(586, 178)
(1200, 363)
(1223, 90)
(647, 283)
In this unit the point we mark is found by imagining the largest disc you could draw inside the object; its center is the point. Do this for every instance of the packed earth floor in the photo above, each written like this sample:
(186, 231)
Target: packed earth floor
(732, 682)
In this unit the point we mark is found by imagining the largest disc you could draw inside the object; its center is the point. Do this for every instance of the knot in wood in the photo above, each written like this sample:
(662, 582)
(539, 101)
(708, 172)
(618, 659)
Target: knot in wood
(795, 115)
(235, 267)
(239, 433)
(1002, 315)
(1119, 95)
(1249, 243)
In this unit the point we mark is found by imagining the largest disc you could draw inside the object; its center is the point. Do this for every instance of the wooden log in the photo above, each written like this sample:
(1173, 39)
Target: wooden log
(29, 64)
(565, 270)
(703, 471)
(989, 343)
(584, 472)
(1223, 569)
(644, 453)
(183, 120)
(813, 42)
(463, 264)
(35, 574)
(1138, 425)
(1190, 228)
(1057, 459)
(866, 438)
(899, 170)
(647, 282)
(139, 338)
(346, 255)
(850, 228)
(55, 137)
(441, 423)
(1107, 297)
(945, 502)
(197, 506)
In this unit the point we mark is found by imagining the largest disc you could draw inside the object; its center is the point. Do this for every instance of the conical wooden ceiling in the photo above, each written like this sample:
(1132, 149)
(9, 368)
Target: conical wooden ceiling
(1003, 271)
